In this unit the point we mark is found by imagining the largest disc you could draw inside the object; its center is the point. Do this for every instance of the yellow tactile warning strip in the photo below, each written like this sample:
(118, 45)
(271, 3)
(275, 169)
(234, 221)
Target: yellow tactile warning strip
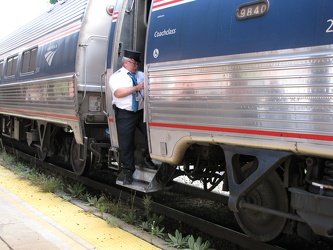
(24, 227)
(91, 229)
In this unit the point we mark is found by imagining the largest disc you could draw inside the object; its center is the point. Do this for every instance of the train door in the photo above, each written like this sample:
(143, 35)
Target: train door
(128, 31)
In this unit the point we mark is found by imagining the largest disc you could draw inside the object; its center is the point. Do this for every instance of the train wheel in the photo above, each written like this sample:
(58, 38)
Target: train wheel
(78, 165)
(41, 154)
(262, 226)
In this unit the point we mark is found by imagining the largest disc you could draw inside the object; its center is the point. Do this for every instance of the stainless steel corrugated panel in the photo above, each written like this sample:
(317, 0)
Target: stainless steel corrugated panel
(59, 16)
(53, 98)
(288, 91)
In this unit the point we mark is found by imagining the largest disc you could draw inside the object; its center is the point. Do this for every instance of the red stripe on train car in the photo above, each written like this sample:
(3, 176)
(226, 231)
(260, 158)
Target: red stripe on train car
(60, 34)
(42, 41)
(115, 16)
(44, 114)
(244, 131)
(164, 4)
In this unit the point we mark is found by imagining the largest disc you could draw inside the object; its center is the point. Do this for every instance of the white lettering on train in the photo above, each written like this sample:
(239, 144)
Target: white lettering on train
(165, 33)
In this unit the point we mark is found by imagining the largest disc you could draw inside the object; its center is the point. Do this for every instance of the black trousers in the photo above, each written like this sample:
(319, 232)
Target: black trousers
(127, 122)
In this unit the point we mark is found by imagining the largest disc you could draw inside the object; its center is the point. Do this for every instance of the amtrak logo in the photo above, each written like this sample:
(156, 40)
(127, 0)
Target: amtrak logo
(51, 51)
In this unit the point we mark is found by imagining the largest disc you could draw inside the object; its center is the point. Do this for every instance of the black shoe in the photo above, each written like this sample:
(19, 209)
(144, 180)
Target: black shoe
(147, 163)
(128, 177)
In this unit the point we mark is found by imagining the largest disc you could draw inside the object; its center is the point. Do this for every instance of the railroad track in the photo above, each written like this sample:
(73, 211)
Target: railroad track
(204, 226)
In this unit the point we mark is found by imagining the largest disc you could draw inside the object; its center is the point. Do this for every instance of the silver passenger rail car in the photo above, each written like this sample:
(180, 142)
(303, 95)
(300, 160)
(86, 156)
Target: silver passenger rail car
(240, 93)
(52, 86)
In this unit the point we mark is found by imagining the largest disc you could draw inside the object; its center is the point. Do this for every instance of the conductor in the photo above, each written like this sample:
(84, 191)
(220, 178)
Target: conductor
(127, 100)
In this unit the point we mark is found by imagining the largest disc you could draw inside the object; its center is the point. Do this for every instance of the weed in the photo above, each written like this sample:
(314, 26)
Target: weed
(47, 183)
(92, 201)
(67, 198)
(2, 148)
(7, 158)
(130, 218)
(116, 208)
(24, 171)
(86, 196)
(147, 205)
(155, 230)
(31, 174)
(50, 184)
(178, 241)
(130, 215)
(145, 225)
(197, 244)
(133, 200)
(96, 202)
(76, 190)
(102, 203)
(152, 224)
(156, 220)
(19, 168)
(102, 208)
(112, 221)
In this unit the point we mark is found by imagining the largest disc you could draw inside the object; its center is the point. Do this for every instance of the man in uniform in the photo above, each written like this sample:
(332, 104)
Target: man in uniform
(127, 99)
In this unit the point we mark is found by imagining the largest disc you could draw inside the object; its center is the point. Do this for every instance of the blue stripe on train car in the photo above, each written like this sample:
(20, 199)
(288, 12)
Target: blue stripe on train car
(111, 38)
(58, 57)
(205, 28)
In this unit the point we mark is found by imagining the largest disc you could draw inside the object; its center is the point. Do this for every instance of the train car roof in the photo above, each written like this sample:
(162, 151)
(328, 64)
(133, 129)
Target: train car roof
(61, 14)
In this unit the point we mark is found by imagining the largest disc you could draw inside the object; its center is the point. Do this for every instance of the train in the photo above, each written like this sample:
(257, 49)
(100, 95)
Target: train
(238, 94)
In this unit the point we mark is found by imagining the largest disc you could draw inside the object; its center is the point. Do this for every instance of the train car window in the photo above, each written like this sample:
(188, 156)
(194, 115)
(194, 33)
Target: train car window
(11, 65)
(148, 5)
(29, 61)
(1, 69)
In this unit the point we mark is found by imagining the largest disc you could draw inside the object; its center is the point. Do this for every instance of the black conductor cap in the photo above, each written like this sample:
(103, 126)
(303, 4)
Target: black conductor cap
(135, 55)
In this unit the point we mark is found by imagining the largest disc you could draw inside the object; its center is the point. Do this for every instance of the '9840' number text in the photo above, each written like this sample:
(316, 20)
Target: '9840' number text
(251, 10)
